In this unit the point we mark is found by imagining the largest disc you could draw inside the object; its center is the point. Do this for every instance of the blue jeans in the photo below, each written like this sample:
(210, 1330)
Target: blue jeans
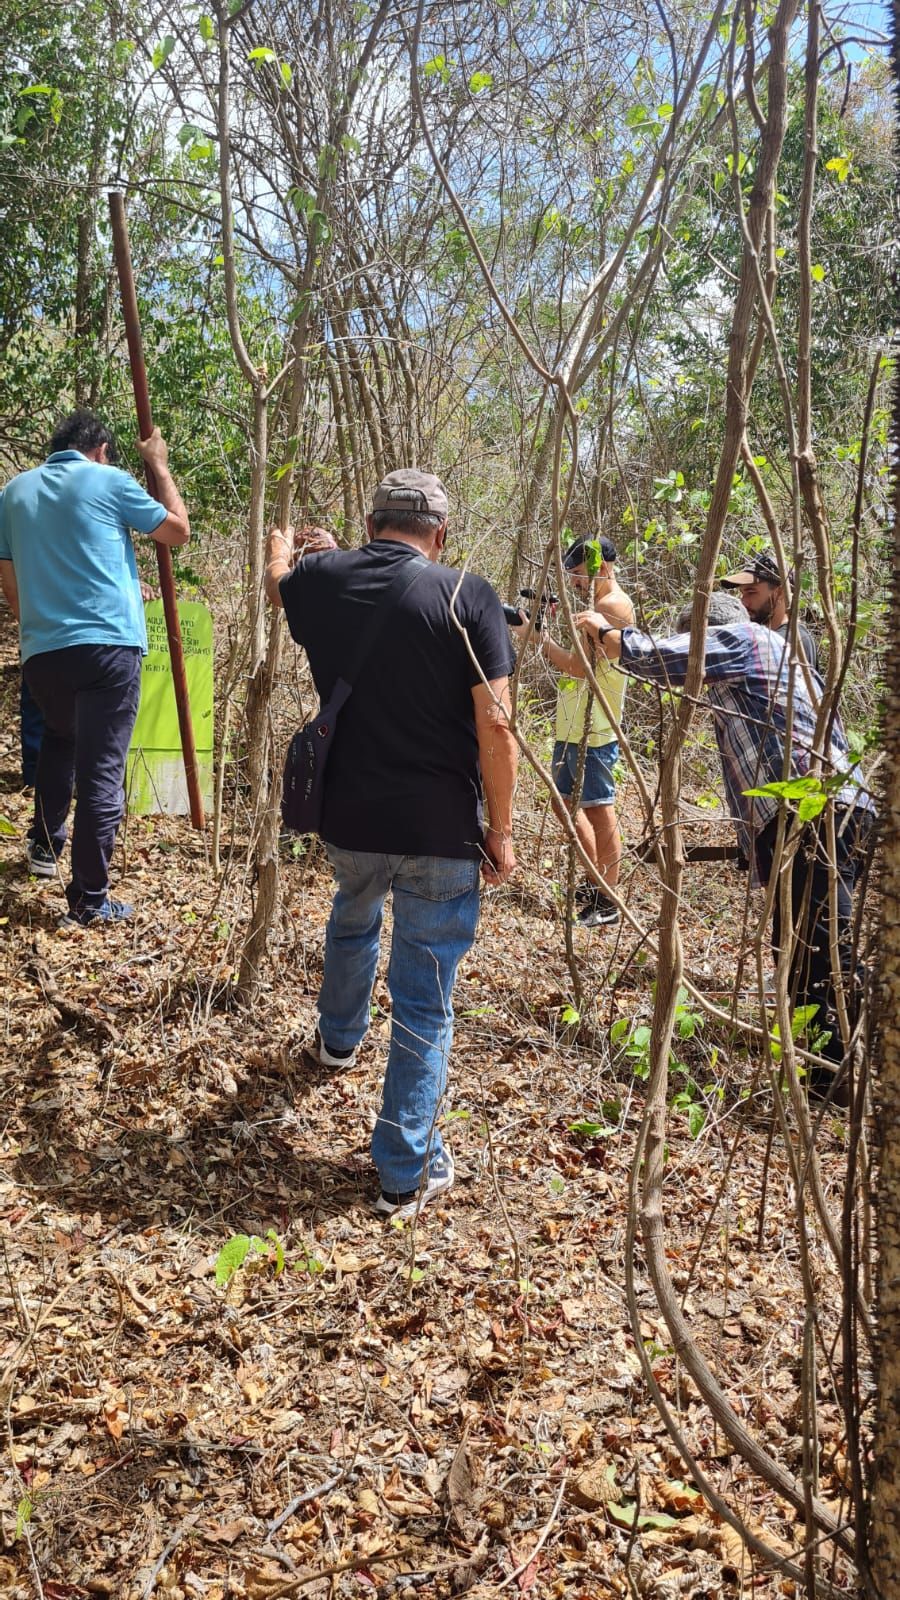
(599, 784)
(435, 903)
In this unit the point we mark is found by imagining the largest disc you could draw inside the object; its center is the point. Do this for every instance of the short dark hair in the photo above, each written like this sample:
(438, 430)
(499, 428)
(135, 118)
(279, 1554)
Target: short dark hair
(82, 430)
(418, 524)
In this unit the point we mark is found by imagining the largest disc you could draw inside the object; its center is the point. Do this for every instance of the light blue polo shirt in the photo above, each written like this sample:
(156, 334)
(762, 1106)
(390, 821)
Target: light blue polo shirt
(64, 526)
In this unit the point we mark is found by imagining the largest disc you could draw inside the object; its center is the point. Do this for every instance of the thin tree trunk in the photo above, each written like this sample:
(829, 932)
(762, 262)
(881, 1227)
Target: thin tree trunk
(885, 1539)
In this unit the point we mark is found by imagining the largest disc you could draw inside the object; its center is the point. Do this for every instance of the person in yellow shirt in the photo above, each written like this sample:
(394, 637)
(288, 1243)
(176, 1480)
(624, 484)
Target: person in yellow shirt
(589, 565)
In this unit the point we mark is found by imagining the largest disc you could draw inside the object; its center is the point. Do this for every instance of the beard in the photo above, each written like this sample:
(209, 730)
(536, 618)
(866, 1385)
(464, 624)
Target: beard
(763, 612)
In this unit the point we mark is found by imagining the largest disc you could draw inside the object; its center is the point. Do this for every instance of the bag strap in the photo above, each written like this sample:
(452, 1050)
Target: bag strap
(393, 594)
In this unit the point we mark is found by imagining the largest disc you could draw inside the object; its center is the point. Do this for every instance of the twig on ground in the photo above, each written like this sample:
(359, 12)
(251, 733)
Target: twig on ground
(543, 1536)
(168, 1550)
(303, 1500)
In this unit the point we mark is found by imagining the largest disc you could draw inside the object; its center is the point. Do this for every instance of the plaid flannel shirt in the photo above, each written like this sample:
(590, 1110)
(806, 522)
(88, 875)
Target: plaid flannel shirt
(747, 673)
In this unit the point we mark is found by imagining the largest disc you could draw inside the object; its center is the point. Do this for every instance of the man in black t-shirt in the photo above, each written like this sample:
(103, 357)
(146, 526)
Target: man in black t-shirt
(422, 740)
(767, 601)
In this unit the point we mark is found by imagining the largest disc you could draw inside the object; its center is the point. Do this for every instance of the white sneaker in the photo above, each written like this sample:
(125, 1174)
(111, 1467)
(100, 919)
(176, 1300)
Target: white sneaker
(440, 1179)
(330, 1058)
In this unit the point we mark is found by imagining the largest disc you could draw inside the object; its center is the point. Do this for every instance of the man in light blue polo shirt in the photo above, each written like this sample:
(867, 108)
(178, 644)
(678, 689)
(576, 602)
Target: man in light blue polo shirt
(68, 571)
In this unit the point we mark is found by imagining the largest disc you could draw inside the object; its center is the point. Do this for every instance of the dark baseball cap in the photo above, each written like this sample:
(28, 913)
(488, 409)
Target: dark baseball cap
(576, 555)
(762, 569)
(408, 489)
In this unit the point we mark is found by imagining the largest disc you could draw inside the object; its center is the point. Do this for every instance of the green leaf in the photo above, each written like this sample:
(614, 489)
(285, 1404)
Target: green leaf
(231, 1256)
(23, 1514)
(840, 166)
(162, 51)
(817, 273)
(350, 144)
(696, 1119)
(593, 557)
(301, 200)
(790, 788)
(287, 74)
(801, 1018)
(207, 28)
(261, 53)
(591, 1130)
(811, 806)
(279, 1250)
(6, 827)
(627, 1515)
(570, 1015)
(480, 81)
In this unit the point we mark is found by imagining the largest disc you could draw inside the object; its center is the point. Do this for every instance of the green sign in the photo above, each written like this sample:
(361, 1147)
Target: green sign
(155, 780)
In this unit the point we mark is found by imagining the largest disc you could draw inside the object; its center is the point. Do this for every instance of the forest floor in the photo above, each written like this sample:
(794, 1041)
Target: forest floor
(402, 1410)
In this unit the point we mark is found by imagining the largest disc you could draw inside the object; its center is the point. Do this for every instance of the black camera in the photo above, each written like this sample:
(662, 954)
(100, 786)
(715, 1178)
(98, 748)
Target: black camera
(516, 614)
(513, 616)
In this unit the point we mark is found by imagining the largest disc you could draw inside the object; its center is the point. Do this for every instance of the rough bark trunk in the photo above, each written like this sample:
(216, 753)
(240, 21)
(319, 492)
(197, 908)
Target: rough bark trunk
(885, 1536)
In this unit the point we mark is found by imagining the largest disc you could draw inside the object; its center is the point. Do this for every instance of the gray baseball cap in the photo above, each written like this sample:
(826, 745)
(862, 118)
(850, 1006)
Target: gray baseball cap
(408, 489)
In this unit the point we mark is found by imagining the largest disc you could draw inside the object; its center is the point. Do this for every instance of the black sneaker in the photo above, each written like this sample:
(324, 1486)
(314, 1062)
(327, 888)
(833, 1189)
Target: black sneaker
(110, 911)
(600, 912)
(584, 892)
(41, 860)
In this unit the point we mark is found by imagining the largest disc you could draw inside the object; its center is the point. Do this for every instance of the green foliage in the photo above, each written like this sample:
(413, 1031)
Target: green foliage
(24, 1513)
(591, 1130)
(235, 1251)
(811, 793)
(162, 52)
(802, 1019)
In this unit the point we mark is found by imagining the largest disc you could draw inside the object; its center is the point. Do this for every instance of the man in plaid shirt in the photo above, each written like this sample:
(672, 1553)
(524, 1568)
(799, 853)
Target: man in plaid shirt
(757, 692)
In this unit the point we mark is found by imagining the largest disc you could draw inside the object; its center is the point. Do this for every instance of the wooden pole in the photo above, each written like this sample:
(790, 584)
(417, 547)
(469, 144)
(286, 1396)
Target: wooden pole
(122, 253)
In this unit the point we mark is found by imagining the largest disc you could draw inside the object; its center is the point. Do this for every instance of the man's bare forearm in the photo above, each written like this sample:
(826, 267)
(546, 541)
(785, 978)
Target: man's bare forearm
(167, 494)
(278, 564)
(499, 757)
(10, 587)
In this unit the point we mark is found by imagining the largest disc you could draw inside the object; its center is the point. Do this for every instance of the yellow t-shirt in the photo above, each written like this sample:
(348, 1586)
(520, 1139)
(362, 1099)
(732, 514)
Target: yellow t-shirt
(573, 697)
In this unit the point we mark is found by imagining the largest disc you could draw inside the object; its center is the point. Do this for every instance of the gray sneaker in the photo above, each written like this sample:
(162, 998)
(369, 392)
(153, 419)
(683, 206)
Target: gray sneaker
(440, 1179)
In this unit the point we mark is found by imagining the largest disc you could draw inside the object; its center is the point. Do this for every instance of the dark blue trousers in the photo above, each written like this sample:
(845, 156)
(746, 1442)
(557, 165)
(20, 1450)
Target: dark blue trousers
(811, 976)
(31, 724)
(88, 695)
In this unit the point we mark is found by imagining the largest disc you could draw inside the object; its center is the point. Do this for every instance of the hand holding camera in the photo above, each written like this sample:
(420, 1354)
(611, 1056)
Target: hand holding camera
(518, 618)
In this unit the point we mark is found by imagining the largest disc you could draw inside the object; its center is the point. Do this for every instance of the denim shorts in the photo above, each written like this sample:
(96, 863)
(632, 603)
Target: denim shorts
(599, 787)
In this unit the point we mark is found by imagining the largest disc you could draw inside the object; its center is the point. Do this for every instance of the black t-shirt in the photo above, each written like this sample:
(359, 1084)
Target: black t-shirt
(806, 642)
(403, 776)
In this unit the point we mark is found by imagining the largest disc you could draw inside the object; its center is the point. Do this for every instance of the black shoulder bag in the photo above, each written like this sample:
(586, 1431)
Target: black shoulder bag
(304, 769)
